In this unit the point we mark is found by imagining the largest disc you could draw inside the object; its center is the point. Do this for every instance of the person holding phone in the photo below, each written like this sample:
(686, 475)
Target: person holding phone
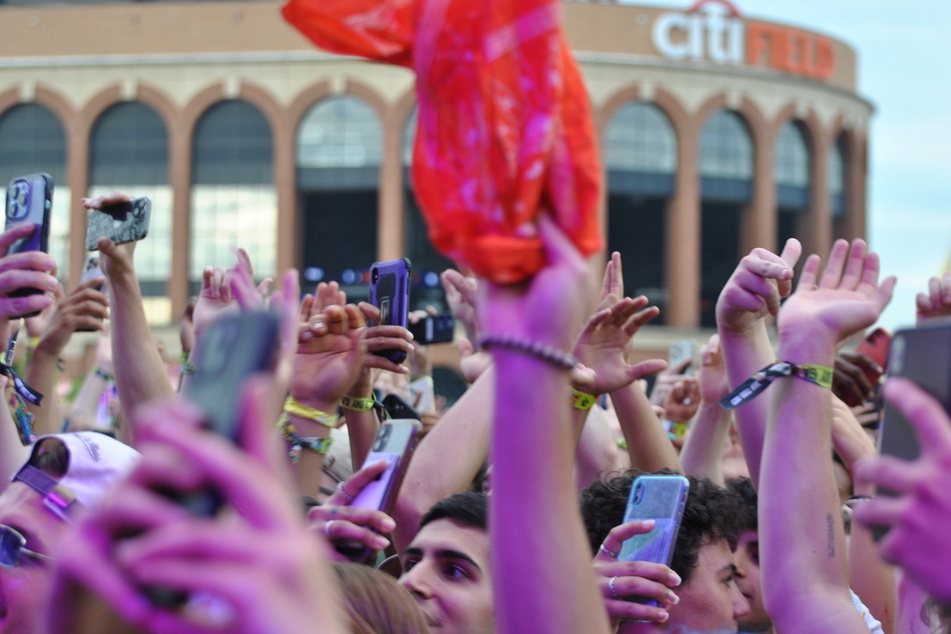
(704, 596)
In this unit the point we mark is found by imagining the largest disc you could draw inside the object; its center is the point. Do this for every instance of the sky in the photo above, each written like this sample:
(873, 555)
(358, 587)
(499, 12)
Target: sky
(903, 53)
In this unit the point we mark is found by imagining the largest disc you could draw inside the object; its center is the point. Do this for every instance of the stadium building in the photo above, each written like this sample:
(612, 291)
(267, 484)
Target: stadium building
(719, 131)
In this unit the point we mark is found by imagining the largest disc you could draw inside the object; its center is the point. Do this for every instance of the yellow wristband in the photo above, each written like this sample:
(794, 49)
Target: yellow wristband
(327, 420)
(356, 404)
(581, 400)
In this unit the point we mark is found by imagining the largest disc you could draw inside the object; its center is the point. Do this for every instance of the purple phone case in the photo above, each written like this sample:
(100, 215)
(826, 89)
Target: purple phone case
(389, 291)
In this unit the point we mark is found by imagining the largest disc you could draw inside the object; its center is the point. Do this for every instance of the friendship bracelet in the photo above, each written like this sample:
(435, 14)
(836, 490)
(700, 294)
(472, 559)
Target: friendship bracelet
(548, 354)
(355, 404)
(187, 368)
(582, 400)
(291, 406)
(298, 443)
(102, 374)
(752, 387)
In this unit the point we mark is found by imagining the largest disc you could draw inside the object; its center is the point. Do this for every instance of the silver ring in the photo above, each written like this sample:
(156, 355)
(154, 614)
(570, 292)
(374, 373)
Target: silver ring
(343, 492)
(614, 593)
(607, 552)
(687, 401)
(327, 529)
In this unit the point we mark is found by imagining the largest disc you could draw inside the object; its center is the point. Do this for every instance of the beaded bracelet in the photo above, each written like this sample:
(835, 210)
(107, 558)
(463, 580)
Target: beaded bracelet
(355, 404)
(544, 352)
(291, 406)
(751, 388)
(298, 443)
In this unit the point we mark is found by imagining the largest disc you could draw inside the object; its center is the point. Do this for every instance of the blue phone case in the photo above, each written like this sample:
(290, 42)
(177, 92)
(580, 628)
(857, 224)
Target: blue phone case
(389, 291)
(660, 498)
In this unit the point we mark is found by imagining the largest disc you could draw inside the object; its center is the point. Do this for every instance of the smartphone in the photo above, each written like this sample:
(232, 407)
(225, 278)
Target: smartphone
(389, 291)
(395, 442)
(91, 270)
(127, 221)
(29, 200)
(422, 394)
(397, 408)
(875, 346)
(235, 347)
(661, 498)
(434, 329)
(680, 350)
(922, 354)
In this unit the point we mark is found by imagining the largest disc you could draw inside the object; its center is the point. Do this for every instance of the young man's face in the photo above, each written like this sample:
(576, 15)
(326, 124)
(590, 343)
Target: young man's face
(446, 568)
(24, 589)
(711, 600)
(749, 581)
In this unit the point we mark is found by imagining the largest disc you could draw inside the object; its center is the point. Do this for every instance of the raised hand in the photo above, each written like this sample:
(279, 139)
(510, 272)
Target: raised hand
(756, 287)
(620, 579)
(602, 344)
(918, 518)
(937, 301)
(30, 269)
(343, 525)
(845, 299)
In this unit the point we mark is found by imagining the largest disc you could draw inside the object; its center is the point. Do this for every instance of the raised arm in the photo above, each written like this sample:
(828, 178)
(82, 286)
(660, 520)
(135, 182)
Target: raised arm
(802, 540)
(702, 453)
(141, 375)
(83, 309)
(755, 289)
(532, 446)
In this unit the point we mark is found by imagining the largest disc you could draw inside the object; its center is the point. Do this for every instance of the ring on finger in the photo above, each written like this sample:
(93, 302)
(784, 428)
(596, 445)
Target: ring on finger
(609, 553)
(343, 492)
(611, 589)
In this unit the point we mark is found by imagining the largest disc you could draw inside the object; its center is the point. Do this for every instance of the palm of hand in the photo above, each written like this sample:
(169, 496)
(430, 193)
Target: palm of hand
(603, 351)
(326, 366)
(837, 311)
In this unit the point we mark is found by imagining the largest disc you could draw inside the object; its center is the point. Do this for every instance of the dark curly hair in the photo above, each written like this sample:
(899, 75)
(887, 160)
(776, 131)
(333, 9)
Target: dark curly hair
(711, 513)
(744, 488)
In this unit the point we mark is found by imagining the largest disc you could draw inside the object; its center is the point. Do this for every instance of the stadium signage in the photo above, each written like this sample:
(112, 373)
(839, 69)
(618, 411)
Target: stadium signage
(713, 31)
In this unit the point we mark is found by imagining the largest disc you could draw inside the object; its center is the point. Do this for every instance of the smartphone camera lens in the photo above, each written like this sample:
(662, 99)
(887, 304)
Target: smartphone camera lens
(375, 275)
(17, 198)
(638, 493)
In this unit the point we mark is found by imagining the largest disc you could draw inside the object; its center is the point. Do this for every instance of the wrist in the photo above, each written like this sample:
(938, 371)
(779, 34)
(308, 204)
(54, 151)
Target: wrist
(807, 349)
(46, 349)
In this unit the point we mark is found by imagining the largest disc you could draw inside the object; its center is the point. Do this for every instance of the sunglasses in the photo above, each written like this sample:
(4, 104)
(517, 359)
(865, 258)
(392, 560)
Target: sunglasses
(13, 546)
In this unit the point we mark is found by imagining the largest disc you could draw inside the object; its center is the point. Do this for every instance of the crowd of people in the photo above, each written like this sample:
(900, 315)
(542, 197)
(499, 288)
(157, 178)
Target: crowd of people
(511, 514)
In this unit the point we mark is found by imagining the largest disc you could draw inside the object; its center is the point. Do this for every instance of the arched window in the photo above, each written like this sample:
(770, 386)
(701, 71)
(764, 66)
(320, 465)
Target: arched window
(129, 153)
(791, 171)
(640, 150)
(339, 152)
(32, 140)
(726, 185)
(726, 158)
(838, 176)
(233, 201)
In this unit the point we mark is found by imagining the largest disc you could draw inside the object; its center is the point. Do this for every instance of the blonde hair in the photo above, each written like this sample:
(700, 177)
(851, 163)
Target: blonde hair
(376, 603)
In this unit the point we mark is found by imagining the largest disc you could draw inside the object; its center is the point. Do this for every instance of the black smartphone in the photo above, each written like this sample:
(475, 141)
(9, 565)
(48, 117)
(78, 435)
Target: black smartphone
(30, 200)
(661, 498)
(389, 291)
(434, 329)
(126, 221)
(922, 355)
(235, 347)
(396, 407)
